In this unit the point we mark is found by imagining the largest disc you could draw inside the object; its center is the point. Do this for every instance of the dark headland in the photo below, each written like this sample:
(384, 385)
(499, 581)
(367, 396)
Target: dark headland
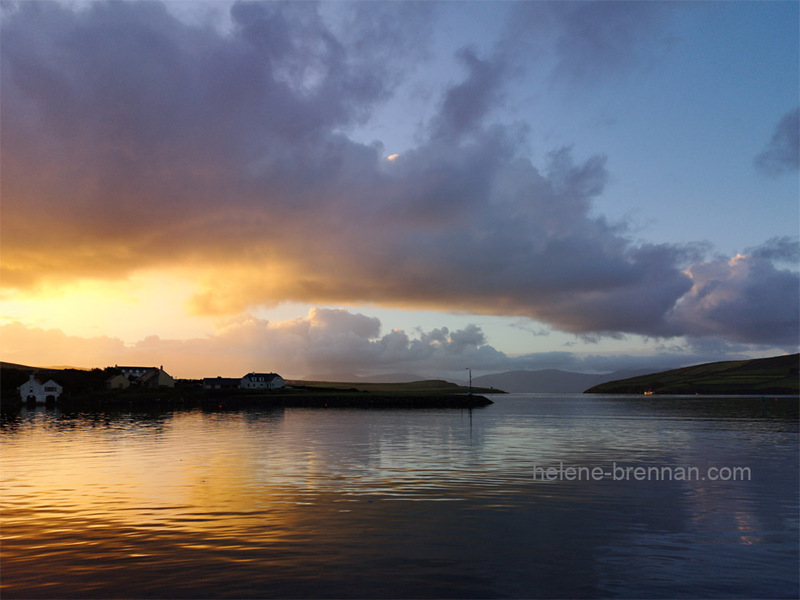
(778, 375)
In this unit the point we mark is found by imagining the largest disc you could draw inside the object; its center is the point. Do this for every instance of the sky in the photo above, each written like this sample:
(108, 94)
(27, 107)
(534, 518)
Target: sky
(364, 188)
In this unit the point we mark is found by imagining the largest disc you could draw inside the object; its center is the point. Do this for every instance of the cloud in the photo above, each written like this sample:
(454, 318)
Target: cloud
(134, 140)
(326, 341)
(465, 104)
(782, 153)
(333, 343)
(745, 298)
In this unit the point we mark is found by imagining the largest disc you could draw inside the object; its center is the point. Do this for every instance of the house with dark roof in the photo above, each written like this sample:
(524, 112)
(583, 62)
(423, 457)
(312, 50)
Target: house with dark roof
(148, 377)
(221, 383)
(118, 382)
(133, 373)
(263, 381)
(156, 378)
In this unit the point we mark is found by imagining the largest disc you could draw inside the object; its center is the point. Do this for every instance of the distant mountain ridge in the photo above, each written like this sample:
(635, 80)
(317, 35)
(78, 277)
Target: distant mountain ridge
(16, 367)
(550, 380)
(350, 378)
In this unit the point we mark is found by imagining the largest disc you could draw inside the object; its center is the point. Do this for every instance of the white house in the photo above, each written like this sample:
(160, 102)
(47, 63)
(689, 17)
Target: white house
(263, 381)
(41, 393)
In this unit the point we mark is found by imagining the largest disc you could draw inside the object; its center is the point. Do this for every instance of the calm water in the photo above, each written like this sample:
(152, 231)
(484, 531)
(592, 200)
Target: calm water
(404, 503)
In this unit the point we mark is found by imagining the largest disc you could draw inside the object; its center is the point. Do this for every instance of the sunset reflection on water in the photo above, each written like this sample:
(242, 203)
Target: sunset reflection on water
(353, 503)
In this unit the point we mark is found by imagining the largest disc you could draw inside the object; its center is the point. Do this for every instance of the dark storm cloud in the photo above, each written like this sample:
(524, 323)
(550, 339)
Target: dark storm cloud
(782, 154)
(138, 141)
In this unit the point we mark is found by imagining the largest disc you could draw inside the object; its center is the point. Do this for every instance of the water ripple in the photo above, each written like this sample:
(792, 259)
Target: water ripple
(303, 502)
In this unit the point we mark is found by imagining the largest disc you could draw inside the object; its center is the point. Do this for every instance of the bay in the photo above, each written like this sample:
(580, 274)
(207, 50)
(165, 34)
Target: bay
(535, 496)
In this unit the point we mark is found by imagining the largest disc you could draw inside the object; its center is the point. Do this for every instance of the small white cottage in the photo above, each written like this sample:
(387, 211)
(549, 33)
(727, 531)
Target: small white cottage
(41, 393)
(263, 381)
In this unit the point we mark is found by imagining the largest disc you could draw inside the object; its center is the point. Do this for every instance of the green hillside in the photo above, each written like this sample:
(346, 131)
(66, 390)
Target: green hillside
(777, 375)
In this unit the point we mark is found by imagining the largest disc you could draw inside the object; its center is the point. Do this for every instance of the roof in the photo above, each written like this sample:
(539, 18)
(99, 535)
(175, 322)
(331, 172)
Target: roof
(150, 374)
(32, 379)
(39, 382)
(266, 376)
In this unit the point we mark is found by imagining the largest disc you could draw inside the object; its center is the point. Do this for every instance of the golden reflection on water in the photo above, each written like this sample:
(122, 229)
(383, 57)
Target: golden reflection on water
(174, 475)
(292, 502)
(106, 502)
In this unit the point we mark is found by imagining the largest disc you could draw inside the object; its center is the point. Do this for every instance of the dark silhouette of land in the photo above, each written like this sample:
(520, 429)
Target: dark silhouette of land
(86, 388)
(779, 375)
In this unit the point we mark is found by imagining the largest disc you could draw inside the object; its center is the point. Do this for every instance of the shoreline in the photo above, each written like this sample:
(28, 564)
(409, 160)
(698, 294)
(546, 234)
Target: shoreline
(275, 399)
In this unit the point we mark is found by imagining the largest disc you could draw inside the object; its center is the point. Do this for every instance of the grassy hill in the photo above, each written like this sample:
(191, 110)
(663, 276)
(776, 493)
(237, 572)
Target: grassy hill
(765, 376)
